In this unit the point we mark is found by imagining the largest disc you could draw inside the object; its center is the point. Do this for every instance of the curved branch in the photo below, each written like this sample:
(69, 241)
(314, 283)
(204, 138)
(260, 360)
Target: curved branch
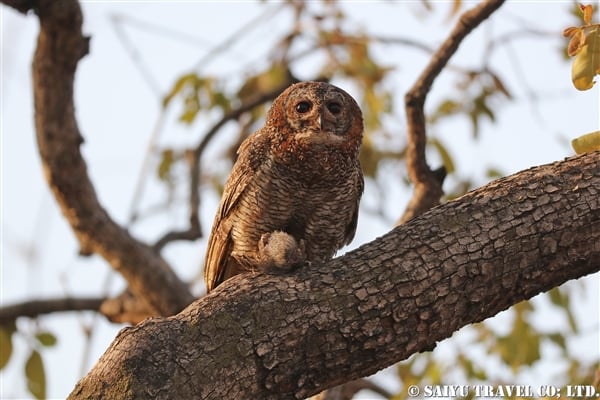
(428, 183)
(22, 6)
(59, 48)
(291, 336)
(34, 308)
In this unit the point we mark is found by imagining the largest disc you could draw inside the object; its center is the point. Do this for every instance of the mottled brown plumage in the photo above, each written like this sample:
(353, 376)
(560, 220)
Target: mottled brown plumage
(299, 174)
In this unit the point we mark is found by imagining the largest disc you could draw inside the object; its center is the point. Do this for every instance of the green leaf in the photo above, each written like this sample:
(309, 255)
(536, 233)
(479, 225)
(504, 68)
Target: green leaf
(444, 154)
(471, 370)
(181, 83)
(264, 82)
(522, 345)
(560, 298)
(559, 339)
(481, 106)
(191, 108)
(46, 339)
(557, 298)
(219, 99)
(36, 376)
(166, 163)
(494, 173)
(447, 108)
(5, 346)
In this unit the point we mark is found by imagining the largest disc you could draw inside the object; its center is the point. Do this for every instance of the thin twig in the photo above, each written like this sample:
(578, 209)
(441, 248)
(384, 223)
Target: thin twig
(146, 164)
(428, 183)
(135, 56)
(242, 31)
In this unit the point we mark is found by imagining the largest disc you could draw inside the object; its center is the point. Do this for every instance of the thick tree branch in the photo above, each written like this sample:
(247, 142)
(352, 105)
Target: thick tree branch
(34, 308)
(60, 46)
(291, 336)
(428, 185)
(22, 6)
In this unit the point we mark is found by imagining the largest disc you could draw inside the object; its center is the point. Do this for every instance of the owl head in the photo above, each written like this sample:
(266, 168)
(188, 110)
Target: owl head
(316, 114)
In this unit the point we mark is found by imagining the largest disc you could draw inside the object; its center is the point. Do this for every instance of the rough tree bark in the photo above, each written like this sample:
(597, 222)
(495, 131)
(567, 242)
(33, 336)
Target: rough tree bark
(291, 336)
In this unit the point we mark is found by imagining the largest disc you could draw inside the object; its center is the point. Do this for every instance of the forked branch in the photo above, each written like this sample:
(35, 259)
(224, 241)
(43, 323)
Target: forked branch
(428, 182)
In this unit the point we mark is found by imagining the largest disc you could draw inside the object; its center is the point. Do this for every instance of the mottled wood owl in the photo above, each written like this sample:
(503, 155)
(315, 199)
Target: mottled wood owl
(299, 174)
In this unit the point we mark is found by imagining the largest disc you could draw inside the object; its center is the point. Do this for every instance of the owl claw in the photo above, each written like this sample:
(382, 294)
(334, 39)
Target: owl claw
(279, 251)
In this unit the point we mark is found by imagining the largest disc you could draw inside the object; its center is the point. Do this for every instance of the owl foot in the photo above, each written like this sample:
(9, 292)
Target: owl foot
(280, 252)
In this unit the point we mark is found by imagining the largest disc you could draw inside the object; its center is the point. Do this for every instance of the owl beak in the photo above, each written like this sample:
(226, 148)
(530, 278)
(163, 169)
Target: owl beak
(321, 120)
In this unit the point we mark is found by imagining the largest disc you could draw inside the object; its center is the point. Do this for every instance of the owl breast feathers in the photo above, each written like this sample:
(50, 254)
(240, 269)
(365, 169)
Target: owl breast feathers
(299, 174)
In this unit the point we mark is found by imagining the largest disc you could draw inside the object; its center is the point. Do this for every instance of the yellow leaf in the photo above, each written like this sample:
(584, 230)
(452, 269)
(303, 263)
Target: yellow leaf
(587, 62)
(576, 43)
(568, 32)
(586, 143)
(456, 6)
(587, 11)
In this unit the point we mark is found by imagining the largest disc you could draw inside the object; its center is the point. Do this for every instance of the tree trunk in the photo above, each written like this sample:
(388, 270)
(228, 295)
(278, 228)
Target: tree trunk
(294, 335)
(60, 46)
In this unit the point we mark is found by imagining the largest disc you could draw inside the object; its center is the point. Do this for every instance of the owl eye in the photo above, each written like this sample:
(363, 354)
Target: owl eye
(334, 108)
(303, 107)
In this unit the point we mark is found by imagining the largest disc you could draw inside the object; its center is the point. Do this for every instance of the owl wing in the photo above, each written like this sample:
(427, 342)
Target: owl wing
(220, 243)
(351, 227)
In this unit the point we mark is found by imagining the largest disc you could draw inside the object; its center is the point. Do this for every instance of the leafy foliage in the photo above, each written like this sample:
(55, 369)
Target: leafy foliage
(477, 92)
(33, 368)
(198, 93)
(584, 45)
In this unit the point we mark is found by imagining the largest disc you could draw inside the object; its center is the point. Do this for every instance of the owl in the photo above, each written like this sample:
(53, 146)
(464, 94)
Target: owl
(297, 183)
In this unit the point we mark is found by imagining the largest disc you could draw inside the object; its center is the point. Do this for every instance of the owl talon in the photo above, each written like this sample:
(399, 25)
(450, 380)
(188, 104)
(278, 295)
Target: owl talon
(280, 252)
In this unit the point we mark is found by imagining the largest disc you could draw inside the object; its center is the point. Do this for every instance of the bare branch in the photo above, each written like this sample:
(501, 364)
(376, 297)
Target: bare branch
(34, 308)
(293, 335)
(428, 185)
(125, 309)
(22, 6)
